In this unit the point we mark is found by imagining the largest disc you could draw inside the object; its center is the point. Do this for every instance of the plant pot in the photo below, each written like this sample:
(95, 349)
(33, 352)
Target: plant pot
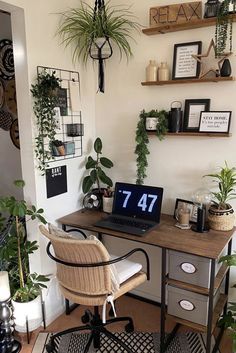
(221, 219)
(31, 310)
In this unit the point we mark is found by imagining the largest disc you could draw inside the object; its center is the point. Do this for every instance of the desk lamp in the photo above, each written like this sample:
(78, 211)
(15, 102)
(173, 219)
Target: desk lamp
(7, 342)
(201, 198)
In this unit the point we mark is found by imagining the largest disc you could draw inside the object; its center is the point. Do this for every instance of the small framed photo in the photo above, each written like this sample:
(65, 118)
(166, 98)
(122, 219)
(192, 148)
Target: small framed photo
(193, 207)
(215, 121)
(192, 113)
(184, 65)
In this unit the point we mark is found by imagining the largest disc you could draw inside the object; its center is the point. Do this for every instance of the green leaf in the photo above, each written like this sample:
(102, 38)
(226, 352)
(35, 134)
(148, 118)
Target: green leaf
(106, 162)
(93, 175)
(98, 145)
(87, 184)
(91, 163)
(104, 178)
(19, 183)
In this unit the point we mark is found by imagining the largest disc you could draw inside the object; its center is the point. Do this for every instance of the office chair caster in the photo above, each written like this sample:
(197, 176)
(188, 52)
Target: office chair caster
(49, 347)
(86, 317)
(129, 327)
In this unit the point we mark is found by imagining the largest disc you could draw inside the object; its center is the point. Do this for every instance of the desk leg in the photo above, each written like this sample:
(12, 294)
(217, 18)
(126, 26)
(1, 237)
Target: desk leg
(163, 300)
(210, 307)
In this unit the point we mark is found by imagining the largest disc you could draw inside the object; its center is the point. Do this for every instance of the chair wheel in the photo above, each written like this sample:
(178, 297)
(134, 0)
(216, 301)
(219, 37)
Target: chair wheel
(129, 327)
(49, 348)
(85, 318)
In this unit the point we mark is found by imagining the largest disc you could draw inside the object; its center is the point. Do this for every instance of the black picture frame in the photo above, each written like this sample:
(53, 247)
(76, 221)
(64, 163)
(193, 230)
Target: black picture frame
(191, 205)
(184, 65)
(192, 113)
(215, 121)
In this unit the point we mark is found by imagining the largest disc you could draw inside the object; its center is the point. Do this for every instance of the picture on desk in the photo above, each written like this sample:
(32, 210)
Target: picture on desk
(193, 207)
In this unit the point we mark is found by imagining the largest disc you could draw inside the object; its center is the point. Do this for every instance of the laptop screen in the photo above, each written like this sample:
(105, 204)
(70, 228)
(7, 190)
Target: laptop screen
(138, 201)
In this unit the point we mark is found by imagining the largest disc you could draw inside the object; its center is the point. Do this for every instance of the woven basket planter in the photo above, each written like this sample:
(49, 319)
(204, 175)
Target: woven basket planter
(221, 219)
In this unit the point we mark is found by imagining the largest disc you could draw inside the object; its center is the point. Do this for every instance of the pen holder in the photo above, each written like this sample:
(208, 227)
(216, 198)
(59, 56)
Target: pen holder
(107, 204)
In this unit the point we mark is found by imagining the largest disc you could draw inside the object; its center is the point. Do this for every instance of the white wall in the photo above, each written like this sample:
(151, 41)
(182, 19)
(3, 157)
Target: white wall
(10, 163)
(177, 163)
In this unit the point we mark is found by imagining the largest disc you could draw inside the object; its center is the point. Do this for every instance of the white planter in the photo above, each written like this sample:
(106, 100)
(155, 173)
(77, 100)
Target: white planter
(31, 310)
(107, 204)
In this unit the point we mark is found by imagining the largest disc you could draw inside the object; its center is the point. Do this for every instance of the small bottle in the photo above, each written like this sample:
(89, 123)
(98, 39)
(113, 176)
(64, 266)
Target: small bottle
(163, 72)
(151, 71)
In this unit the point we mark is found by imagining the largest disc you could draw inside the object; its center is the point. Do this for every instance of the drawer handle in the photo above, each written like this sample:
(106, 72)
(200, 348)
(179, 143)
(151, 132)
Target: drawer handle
(186, 305)
(187, 267)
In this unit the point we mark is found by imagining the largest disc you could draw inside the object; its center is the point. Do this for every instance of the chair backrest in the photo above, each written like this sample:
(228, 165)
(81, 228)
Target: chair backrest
(84, 280)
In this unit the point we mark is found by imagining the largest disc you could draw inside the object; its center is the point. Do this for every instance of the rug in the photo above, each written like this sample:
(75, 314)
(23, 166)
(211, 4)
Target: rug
(139, 342)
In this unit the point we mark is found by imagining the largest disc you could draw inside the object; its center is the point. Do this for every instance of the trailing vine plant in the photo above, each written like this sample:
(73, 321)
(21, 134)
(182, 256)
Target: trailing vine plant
(45, 100)
(142, 139)
(224, 28)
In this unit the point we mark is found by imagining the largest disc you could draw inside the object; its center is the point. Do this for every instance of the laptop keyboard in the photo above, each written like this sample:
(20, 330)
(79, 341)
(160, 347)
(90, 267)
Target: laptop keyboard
(130, 223)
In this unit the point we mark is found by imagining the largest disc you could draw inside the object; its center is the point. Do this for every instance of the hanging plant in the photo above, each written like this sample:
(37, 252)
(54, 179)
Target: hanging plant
(142, 139)
(92, 31)
(224, 28)
(45, 100)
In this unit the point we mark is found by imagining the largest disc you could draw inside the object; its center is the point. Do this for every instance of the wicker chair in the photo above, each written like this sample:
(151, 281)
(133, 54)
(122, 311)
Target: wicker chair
(84, 273)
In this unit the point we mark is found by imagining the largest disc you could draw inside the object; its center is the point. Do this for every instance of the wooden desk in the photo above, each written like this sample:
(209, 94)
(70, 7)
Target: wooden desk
(167, 237)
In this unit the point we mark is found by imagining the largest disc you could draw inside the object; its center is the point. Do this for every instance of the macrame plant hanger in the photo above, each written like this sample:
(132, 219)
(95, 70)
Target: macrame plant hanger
(100, 48)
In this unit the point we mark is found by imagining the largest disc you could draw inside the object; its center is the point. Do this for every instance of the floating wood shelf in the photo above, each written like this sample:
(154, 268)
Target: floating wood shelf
(202, 328)
(189, 80)
(199, 134)
(165, 28)
(197, 289)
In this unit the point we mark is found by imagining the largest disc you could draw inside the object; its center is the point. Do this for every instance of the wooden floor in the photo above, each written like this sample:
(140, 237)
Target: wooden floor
(146, 318)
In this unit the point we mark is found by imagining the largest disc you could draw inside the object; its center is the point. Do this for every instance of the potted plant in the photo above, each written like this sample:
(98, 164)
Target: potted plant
(14, 253)
(45, 100)
(107, 200)
(221, 214)
(228, 320)
(58, 148)
(160, 125)
(82, 26)
(96, 174)
(224, 27)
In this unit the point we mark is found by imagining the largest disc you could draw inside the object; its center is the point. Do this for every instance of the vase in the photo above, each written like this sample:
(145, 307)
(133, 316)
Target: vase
(151, 71)
(107, 204)
(163, 72)
(225, 70)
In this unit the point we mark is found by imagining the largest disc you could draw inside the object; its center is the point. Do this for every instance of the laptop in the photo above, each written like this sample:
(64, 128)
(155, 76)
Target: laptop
(136, 209)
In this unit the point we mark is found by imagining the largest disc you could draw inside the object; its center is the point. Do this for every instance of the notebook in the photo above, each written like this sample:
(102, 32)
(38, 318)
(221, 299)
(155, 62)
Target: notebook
(136, 209)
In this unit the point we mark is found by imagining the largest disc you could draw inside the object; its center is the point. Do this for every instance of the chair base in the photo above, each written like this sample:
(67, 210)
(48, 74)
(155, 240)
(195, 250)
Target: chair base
(95, 326)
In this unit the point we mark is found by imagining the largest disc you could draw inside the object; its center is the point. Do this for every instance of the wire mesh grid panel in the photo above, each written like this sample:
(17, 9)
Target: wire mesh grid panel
(68, 117)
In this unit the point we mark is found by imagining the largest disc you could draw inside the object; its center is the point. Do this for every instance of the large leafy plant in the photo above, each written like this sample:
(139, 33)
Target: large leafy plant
(81, 26)
(226, 183)
(94, 166)
(45, 100)
(142, 139)
(15, 251)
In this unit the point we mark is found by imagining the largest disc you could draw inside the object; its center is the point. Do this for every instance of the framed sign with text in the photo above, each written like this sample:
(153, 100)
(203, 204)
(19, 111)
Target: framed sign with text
(192, 112)
(215, 121)
(56, 181)
(184, 65)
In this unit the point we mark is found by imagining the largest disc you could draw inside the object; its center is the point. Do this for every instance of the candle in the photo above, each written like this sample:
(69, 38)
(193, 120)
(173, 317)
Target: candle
(5, 293)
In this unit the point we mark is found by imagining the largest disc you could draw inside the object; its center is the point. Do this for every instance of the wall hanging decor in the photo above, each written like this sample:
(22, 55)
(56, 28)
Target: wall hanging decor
(7, 70)
(56, 181)
(53, 92)
(93, 31)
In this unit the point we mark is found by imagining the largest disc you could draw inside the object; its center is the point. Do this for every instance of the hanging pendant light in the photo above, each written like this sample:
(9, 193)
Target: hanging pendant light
(100, 47)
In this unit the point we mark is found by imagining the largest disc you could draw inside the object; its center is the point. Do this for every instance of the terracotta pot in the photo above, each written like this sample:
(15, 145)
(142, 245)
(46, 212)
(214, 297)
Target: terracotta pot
(221, 219)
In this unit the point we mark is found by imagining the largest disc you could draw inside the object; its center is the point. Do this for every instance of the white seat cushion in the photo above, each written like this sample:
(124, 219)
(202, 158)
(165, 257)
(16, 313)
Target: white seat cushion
(126, 269)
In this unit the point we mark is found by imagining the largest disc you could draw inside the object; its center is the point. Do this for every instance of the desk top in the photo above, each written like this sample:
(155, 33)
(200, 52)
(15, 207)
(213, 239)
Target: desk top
(166, 235)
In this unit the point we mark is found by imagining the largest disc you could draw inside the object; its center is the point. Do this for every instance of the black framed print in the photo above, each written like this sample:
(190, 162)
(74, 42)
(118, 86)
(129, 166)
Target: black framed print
(192, 113)
(184, 65)
(215, 121)
(193, 207)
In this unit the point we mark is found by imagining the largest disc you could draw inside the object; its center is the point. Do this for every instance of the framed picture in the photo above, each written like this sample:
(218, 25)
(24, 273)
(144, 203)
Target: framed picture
(184, 65)
(215, 121)
(193, 207)
(192, 113)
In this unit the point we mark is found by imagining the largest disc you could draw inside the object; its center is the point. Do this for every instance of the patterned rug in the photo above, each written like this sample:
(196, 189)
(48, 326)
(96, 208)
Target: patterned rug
(139, 342)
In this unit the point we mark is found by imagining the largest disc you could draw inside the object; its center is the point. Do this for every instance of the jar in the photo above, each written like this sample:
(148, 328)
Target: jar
(163, 72)
(151, 71)
(175, 117)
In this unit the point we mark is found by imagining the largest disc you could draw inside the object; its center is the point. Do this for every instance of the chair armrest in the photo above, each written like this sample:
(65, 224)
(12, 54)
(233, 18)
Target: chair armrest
(77, 230)
(98, 264)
